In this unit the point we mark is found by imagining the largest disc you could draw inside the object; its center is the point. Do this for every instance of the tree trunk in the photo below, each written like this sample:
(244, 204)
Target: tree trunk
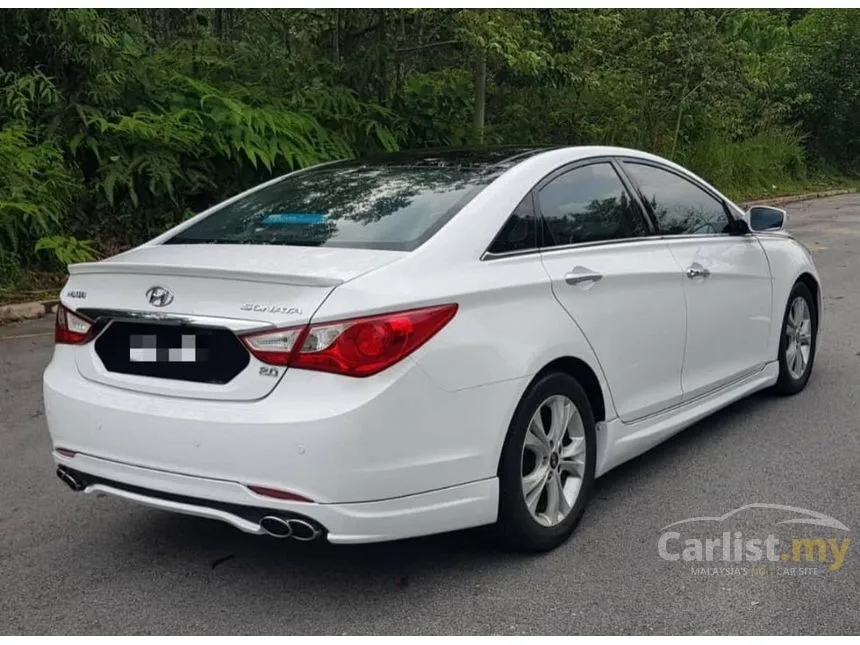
(192, 20)
(220, 29)
(337, 37)
(480, 98)
(382, 56)
(677, 129)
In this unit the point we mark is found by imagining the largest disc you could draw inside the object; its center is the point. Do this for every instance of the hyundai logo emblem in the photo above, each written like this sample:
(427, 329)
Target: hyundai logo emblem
(159, 296)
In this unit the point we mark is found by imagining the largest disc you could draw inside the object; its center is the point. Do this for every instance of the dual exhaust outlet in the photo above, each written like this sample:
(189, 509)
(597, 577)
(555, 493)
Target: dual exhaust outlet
(289, 527)
(273, 525)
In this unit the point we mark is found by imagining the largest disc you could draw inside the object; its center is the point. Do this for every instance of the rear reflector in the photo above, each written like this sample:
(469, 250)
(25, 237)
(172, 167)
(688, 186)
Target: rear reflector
(65, 453)
(354, 347)
(278, 494)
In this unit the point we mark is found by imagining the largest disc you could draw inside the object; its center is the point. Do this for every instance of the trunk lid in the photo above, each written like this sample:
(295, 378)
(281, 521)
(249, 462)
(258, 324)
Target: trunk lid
(153, 301)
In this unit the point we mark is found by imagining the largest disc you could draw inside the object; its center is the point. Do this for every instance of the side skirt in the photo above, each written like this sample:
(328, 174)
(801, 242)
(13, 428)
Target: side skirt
(625, 441)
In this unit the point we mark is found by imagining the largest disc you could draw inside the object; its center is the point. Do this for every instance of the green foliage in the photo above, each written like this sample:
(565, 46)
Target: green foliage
(35, 187)
(824, 88)
(117, 123)
(10, 269)
(67, 250)
(439, 107)
(21, 93)
(751, 164)
(510, 36)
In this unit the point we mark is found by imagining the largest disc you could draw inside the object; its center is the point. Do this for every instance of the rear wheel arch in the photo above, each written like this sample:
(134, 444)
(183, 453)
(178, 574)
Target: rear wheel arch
(582, 372)
(584, 375)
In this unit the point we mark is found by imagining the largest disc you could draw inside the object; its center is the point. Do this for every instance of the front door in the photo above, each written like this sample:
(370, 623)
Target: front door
(727, 281)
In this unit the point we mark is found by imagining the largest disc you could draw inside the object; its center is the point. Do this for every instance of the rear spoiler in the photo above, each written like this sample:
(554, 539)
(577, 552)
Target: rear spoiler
(145, 268)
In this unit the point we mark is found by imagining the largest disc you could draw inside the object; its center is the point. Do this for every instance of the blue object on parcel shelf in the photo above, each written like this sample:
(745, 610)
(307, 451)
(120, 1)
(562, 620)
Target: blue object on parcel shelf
(294, 218)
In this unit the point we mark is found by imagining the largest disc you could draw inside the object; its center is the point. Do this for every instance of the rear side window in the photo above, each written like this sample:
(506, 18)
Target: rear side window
(588, 204)
(519, 232)
(679, 206)
(372, 206)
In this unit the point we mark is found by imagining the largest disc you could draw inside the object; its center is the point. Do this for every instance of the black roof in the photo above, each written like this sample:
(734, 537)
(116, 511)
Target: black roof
(489, 158)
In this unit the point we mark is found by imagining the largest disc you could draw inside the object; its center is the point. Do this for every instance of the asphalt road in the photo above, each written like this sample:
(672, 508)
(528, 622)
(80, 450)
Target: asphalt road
(76, 564)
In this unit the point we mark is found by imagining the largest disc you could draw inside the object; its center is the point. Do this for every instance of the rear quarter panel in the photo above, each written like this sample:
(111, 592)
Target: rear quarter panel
(507, 328)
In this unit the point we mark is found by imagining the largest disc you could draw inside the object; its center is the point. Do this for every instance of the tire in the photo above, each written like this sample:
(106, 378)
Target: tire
(519, 528)
(791, 379)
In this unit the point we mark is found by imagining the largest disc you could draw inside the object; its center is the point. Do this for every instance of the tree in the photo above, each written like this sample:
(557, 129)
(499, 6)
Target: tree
(117, 123)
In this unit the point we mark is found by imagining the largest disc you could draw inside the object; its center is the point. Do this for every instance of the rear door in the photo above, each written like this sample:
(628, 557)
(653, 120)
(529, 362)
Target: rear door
(727, 281)
(621, 286)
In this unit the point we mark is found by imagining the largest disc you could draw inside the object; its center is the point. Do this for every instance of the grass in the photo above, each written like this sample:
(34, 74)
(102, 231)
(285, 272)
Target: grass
(33, 287)
(772, 163)
(794, 187)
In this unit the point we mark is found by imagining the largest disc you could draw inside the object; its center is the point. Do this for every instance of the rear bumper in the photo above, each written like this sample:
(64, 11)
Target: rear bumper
(324, 437)
(382, 458)
(449, 509)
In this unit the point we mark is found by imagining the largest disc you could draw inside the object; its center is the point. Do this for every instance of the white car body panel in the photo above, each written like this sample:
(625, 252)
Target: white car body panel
(626, 441)
(788, 260)
(329, 446)
(640, 282)
(320, 267)
(415, 449)
(729, 313)
(389, 519)
(224, 279)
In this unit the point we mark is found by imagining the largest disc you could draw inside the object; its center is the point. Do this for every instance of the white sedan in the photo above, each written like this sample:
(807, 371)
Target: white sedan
(387, 348)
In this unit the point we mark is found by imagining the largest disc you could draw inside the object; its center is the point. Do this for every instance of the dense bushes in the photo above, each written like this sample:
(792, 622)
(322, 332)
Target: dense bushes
(115, 124)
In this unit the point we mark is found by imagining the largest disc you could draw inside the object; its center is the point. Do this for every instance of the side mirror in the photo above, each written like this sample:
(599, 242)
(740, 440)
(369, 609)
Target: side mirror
(766, 218)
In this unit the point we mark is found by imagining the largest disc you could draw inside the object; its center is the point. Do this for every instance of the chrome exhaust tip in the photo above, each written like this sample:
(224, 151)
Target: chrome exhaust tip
(297, 529)
(304, 531)
(276, 526)
(69, 479)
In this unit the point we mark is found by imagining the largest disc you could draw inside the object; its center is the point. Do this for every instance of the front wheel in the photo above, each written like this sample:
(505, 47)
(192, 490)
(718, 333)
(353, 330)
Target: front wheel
(797, 342)
(546, 471)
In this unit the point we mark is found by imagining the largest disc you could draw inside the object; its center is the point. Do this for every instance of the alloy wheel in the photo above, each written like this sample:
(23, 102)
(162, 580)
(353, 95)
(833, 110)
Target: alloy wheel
(553, 460)
(798, 337)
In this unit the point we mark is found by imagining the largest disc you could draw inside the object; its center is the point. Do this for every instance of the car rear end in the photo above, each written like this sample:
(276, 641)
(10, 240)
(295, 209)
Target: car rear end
(203, 376)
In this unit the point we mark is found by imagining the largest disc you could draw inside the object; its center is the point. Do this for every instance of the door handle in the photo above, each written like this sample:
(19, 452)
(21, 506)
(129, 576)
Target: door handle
(581, 275)
(696, 270)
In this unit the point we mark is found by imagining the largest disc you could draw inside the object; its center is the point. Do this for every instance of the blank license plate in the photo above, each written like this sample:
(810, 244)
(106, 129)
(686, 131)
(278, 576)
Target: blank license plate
(144, 348)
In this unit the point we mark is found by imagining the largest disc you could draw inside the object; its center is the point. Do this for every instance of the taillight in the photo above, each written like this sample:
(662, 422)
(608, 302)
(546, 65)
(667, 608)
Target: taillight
(274, 347)
(71, 328)
(355, 347)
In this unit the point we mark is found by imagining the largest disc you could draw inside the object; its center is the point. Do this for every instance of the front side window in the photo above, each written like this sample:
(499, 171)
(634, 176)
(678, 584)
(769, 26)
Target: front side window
(588, 204)
(680, 207)
(353, 205)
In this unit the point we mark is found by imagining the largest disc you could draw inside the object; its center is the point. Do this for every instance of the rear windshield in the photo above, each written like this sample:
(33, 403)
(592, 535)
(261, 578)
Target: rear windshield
(390, 207)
